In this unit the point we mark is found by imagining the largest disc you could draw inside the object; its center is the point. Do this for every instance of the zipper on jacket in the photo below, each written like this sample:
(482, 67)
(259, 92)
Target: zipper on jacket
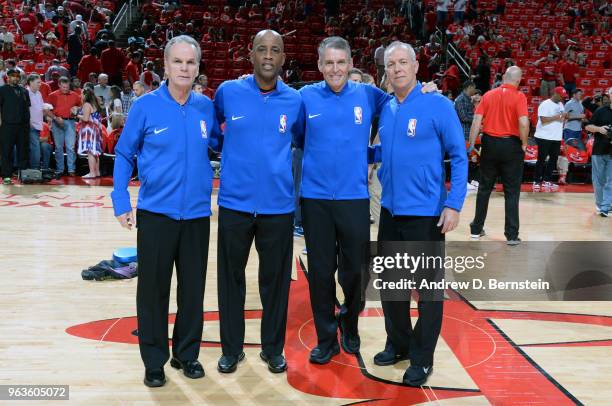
(338, 131)
(185, 138)
(393, 135)
(262, 135)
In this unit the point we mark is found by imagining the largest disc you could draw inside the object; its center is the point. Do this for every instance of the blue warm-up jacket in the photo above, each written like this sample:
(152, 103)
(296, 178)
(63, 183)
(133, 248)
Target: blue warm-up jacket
(256, 160)
(335, 165)
(171, 142)
(415, 135)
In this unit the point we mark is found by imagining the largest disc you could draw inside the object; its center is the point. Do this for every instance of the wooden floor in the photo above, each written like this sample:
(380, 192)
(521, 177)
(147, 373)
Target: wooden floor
(59, 329)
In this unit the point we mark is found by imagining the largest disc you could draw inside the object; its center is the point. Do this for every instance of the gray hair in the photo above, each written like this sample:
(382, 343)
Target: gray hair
(185, 39)
(102, 76)
(334, 43)
(399, 44)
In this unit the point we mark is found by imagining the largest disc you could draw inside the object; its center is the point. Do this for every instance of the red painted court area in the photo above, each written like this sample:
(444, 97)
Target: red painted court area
(501, 370)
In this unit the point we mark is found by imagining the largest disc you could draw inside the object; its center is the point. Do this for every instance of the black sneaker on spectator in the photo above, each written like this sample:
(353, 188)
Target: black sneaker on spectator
(603, 213)
(513, 242)
(476, 237)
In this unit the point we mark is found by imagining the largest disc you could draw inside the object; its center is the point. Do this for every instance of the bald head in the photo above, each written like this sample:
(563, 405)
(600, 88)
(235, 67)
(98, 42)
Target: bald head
(272, 35)
(513, 75)
(267, 58)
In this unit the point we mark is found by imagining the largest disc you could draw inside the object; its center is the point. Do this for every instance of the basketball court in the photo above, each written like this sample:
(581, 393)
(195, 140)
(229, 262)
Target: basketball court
(60, 330)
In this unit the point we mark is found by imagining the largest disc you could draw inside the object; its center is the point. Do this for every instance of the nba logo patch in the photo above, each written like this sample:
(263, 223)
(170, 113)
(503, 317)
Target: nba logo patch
(412, 127)
(282, 125)
(203, 129)
(358, 115)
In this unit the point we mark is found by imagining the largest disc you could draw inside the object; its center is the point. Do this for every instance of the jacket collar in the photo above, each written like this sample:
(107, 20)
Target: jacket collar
(347, 86)
(280, 86)
(414, 93)
(164, 92)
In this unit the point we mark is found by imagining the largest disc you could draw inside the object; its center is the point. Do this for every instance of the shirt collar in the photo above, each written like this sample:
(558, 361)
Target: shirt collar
(509, 86)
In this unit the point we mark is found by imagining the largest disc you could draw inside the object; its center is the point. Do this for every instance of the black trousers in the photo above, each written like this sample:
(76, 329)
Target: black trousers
(273, 235)
(420, 342)
(504, 157)
(162, 243)
(11, 135)
(543, 169)
(337, 233)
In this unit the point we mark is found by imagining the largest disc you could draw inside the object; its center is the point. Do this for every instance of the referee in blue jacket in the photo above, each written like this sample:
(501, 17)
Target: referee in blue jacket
(416, 132)
(336, 204)
(256, 200)
(169, 130)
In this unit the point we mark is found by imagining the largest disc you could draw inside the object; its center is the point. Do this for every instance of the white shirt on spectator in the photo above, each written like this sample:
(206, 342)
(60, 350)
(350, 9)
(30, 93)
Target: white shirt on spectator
(104, 93)
(36, 110)
(442, 5)
(552, 131)
(7, 37)
(144, 84)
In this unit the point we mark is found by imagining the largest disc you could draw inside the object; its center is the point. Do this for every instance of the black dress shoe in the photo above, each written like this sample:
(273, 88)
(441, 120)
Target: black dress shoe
(417, 375)
(350, 343)
(191, 369)
(276, 363)
(389, 356)
(323, 355)
(228, 363)
(154, 377)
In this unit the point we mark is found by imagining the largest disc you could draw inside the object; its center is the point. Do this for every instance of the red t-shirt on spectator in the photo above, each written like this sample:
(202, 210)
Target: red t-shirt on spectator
(569, 69)
(112, 60)
(88, 64)
(27, 23)
(549, 70)
(45, 91)
(132, 71)
(431, 18)
(501, 109)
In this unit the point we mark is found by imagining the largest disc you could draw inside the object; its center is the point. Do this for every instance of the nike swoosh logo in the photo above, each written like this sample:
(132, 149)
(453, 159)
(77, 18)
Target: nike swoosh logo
(156, 131)
(381, 127)
(237, 118)
(313, 115)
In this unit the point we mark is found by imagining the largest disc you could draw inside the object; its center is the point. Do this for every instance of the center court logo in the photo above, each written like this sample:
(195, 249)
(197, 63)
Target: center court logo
(348, 377)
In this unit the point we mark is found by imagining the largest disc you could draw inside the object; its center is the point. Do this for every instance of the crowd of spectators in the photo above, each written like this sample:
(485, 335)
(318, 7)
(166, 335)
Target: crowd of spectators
(564, 44)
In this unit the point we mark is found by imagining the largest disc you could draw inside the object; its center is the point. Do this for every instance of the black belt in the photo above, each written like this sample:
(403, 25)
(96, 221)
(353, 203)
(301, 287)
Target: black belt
(502, 136)
(66, 118)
